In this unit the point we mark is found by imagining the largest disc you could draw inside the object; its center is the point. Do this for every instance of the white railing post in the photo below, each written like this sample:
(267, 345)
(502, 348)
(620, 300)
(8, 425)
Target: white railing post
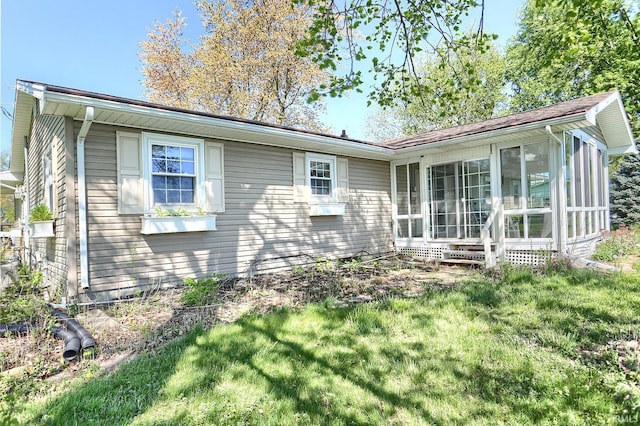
(489, 258)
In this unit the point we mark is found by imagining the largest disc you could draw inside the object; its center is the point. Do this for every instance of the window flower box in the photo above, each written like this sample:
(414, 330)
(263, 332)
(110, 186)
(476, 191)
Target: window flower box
(174, 224)
(42, 229)
(326, 209)
(41, 222)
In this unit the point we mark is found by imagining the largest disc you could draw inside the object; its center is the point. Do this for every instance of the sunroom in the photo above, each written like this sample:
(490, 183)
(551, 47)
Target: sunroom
(517, 189)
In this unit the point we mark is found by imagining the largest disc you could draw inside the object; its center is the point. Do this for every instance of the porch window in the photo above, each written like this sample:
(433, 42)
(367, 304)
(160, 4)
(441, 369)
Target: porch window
(526, 191)
(409, 201)
(586, 184)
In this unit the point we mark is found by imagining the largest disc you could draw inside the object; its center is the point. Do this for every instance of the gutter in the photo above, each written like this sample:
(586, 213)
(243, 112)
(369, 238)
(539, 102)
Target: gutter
(82, 198)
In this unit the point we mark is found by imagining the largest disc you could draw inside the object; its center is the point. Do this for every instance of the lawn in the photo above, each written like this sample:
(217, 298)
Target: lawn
(518, 348)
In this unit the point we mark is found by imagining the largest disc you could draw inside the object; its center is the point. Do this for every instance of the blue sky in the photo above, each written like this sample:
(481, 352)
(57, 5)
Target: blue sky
(93, 45)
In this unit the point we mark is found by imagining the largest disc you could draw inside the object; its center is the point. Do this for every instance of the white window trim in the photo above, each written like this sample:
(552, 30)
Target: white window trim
(199, 191)
(332, 160)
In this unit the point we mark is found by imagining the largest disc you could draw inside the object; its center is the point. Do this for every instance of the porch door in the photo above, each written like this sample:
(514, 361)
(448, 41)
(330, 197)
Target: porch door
(460, 198)
(477, 196)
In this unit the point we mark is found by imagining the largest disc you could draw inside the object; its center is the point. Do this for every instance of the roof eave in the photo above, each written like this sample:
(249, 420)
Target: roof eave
(513, 130)
(611, 117)
(221, 128)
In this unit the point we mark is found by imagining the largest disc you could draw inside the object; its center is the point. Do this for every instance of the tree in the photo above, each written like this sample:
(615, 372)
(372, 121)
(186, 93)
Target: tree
(624, 194)
(477, 92)
(470, 87)
(567, 49)
(390, 35)
(244, 65)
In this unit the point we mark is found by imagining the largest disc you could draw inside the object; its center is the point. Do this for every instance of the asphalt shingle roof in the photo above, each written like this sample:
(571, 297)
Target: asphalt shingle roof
(564, 109)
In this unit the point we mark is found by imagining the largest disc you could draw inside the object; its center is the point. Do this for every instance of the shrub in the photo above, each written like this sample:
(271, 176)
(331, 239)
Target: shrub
(620, 242)
(22, 302)
(201, 291)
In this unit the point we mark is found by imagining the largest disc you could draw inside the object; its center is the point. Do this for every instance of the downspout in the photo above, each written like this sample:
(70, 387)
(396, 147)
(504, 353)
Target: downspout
(561, 209)
(553, 135)
(82, 198)
(25, 205)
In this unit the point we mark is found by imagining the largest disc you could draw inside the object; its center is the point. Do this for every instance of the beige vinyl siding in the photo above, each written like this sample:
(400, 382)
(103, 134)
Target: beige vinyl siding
(261, 227)
(50, 253)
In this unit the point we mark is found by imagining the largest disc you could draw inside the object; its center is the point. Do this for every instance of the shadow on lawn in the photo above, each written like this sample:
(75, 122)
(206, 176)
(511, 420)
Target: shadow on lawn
(334, 366)
(251, 355)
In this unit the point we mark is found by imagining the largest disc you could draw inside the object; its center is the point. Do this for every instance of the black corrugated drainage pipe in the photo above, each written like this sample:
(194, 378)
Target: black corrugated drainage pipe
(16, 329)
(71, 341)
(86, 340)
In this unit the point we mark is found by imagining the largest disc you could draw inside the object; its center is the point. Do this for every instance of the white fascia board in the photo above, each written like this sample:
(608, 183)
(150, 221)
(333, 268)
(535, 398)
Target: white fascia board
(615, 101)
(492, 134)
(235, 130)
(622, 150)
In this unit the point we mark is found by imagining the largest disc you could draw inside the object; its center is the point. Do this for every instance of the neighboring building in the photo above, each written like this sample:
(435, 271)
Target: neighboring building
(253, 197)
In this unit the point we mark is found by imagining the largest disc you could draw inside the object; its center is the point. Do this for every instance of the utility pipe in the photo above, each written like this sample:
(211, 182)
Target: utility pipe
(82, 198)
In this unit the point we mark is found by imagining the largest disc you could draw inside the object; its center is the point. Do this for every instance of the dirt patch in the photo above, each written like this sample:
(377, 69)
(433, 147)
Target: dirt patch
(124, 330)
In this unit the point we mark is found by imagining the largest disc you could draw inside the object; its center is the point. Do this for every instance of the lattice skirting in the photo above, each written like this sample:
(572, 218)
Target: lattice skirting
(423, 252)
(529, 257)
(515, 257)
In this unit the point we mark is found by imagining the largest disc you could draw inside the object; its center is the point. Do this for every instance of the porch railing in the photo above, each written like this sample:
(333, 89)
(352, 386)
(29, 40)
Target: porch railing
(485, 235)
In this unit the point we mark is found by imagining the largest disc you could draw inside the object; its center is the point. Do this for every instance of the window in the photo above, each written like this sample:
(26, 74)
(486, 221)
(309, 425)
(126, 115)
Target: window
(174, 171)
(526, 191)
(322, 177)
(169, 172)
(48, 180)
(321, 181)
(173, 174)
(586, 184)
(408, 201)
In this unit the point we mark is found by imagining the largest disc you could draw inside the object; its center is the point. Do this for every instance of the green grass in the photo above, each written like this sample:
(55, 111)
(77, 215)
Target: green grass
(522, 349)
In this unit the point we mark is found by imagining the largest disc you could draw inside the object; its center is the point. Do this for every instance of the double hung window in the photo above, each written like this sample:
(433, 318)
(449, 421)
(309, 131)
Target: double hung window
(322, 177)
(174, 171)
(173, 174)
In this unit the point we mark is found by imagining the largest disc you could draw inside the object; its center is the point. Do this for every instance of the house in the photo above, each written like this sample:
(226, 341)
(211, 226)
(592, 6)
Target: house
(145, 195)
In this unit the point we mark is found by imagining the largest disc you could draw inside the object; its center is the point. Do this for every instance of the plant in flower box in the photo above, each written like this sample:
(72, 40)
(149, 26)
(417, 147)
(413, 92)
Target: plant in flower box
(41, 220)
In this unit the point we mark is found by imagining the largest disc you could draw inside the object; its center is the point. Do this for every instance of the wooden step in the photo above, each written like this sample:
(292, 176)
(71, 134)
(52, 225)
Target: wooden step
(464, 253)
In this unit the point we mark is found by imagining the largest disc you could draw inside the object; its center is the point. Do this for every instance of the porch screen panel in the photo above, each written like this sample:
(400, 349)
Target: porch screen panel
(415, 200)
(577, 169)
(444, 206)
(511, 178)
(537, 173)
(409, 201)
(526, 168)
(402, 196)
(477, 196)
(569, 185)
